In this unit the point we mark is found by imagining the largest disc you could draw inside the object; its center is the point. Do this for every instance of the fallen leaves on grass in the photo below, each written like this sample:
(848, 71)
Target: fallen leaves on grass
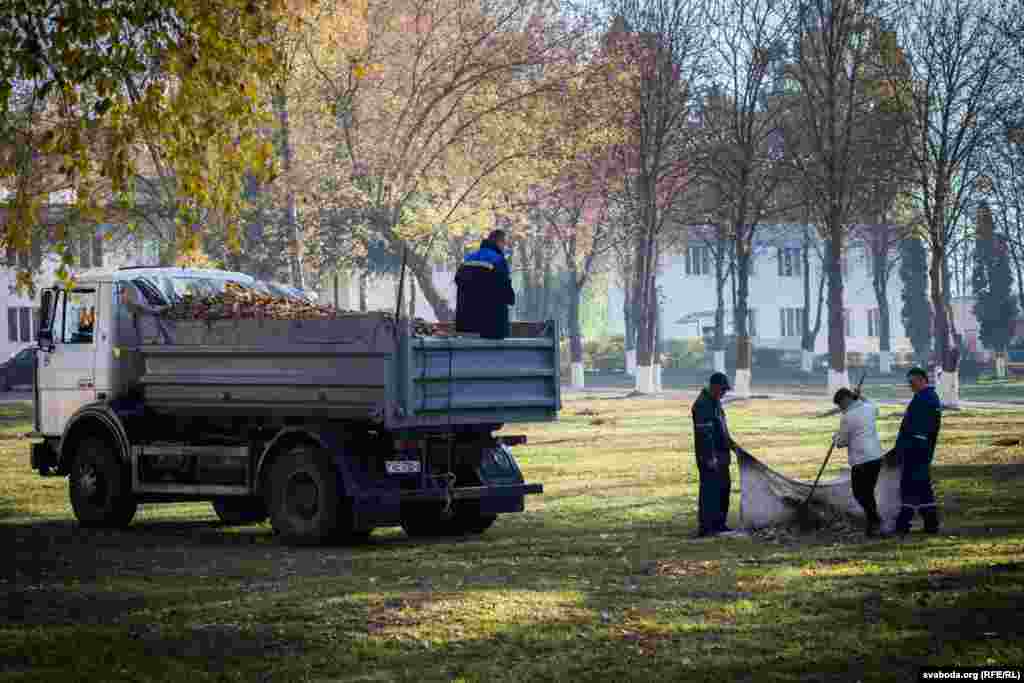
(766, 583)
(687, 568)
(646, 637)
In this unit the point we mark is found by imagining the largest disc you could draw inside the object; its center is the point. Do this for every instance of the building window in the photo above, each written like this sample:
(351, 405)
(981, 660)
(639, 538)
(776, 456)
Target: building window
(789, 262)
(698, 260)
(22, 323)
(874, 323)
(848, 322)
(791, 322)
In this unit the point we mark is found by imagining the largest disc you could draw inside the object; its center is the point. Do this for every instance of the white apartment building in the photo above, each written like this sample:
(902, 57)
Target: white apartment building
(776, 298)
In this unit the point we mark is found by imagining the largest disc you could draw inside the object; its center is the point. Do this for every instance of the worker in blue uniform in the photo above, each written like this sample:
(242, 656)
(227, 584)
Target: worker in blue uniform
(484, 290)
(915, 449)
(713, 447)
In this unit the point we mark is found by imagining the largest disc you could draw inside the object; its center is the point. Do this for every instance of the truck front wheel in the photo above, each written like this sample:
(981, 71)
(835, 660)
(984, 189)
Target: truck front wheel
(303, 497)
(240, 511)
(100, 486)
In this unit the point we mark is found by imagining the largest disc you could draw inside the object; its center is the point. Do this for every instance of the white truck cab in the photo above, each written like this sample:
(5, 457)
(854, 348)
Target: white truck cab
(83, 331)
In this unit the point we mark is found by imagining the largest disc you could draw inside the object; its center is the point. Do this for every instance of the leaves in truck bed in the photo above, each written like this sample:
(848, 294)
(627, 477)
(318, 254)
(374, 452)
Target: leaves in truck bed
(238, 302)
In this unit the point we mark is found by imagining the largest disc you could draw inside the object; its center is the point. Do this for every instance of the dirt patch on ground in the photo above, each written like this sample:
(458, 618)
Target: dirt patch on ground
(395, 614)
(647, 641)
(685, 568)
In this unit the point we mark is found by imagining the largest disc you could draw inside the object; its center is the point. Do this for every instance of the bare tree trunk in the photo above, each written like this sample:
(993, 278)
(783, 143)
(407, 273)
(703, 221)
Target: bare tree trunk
(575, 333)
(720, 280)
(291, 212)
(362, 290)
(744, 352)
(545, 302)
(937, 275)
(424, 272)
(658, 341)
(412, 298)
(806, 341)
(880, 280)
(836, 328)
(629, 322)
(1020, 278)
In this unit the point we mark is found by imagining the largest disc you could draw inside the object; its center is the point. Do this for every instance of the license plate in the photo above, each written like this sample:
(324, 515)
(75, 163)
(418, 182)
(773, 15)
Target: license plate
(402, 466)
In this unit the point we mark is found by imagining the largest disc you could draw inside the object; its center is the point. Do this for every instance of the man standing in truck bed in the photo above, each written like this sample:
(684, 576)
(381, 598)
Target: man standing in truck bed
(484, 290)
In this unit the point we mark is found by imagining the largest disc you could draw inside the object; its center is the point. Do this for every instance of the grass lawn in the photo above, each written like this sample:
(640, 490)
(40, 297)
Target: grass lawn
(599, 580)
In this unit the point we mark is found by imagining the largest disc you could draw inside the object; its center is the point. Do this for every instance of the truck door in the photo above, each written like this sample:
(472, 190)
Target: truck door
(67, 376)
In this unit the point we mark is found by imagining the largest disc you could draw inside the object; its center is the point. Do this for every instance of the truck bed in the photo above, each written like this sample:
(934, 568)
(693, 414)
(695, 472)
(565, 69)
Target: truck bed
(352, 368)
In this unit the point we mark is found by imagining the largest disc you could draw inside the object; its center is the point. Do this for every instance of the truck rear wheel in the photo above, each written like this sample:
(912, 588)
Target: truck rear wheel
(240, 511)
(425, 520)
(100, 486)
(471, 521)
(303, 497)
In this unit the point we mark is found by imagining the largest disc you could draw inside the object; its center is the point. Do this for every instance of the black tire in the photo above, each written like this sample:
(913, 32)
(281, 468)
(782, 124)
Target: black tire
(476, 523)
(240, 511)
(428, 520)
(100, 486)
(303, 494)
(470, 520)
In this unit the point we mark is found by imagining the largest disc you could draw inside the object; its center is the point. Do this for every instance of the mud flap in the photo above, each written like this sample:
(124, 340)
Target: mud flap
(498, 468)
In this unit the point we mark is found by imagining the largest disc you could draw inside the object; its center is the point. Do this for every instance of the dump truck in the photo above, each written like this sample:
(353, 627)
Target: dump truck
(329, 427)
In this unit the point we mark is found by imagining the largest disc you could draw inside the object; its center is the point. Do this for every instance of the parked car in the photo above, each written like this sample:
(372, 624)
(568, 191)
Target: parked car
(18, 369)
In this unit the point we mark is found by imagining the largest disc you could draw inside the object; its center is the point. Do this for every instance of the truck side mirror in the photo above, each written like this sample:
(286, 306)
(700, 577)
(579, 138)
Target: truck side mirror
(45, 334)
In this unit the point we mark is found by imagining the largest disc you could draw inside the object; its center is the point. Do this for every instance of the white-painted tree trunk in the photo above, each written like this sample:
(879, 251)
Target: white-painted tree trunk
(578, 377)
(645, 379)
(885, 362)
(836, 381)
(657, 378)
(719, 357)
(949, 389)
(1001, 365)
(807, 360)
(631, 362)
(741, 383)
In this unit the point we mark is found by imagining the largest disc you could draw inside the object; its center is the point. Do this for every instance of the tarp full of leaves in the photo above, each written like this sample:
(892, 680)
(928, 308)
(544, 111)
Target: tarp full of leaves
(770, 500)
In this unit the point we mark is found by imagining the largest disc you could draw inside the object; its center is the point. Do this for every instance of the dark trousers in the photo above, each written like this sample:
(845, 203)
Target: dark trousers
(713, 496)
(916, 494)
(864, 479)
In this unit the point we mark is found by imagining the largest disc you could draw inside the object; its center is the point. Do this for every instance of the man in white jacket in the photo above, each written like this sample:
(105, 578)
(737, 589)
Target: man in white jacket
(858, 434)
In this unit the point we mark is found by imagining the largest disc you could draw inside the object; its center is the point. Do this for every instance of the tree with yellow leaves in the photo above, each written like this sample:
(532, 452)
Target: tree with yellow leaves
(79, 95)
(432, 128)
